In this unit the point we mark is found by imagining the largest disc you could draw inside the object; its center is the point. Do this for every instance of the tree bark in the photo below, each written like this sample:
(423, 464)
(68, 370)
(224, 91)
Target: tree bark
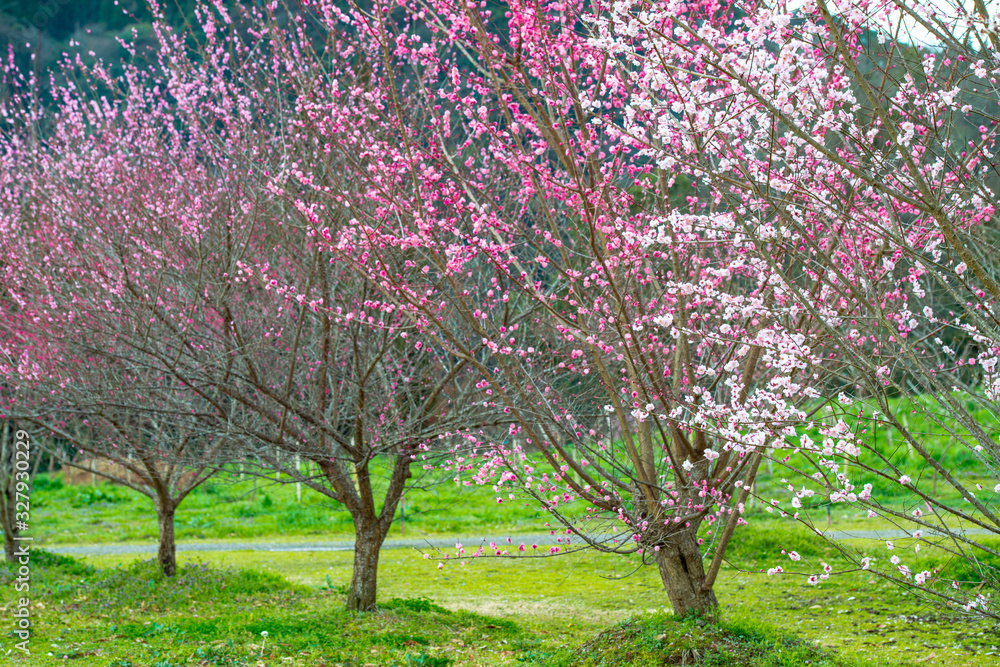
(683, 576)
(167, 554)
(9, 525)
(8, 481)
(364, 580)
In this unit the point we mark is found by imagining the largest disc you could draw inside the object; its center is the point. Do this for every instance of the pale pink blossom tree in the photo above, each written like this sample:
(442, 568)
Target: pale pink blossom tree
(859, 139)
(719, 231)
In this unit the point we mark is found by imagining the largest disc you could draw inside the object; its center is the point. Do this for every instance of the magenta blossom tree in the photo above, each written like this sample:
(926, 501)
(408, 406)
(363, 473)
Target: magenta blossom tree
(195, 269)
(658, 359)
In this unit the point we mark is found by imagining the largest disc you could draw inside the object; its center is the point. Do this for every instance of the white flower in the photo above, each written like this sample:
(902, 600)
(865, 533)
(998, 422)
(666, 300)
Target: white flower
(687, 465)
(263, 633)
(904, 480)
(711, 454)
(664, 320)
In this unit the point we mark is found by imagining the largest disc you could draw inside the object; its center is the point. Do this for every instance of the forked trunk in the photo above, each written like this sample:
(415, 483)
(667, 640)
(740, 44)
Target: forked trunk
(683, 576)
(364, 581)
(167, 554)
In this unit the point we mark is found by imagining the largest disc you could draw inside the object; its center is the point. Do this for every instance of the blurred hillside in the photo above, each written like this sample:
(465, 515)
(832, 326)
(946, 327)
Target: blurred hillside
(44, 29)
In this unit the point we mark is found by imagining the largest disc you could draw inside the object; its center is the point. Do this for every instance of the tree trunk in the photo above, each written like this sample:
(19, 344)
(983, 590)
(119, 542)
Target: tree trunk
(8, 477)
(167, 554)
(683, 576)
(9, 525)
(364, 581)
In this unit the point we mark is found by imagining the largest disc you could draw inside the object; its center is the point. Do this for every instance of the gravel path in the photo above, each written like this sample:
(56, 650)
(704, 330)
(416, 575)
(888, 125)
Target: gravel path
(346, 545)
(541, 539)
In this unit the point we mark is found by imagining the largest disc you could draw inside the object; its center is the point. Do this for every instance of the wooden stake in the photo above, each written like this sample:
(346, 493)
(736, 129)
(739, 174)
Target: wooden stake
(298, 485)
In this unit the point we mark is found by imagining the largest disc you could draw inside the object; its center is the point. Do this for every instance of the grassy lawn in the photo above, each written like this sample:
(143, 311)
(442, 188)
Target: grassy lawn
(229, 509)
(579, 609)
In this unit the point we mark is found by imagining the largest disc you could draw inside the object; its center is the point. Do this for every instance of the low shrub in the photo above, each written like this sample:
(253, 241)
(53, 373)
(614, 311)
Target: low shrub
(106, 494)
(662, 639)
(417, 605)
(142, 584)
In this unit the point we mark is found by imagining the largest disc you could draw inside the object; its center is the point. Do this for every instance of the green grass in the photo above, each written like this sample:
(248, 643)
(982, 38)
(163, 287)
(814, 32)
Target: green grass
(584, 609)
(227, 508)
(580, 609)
